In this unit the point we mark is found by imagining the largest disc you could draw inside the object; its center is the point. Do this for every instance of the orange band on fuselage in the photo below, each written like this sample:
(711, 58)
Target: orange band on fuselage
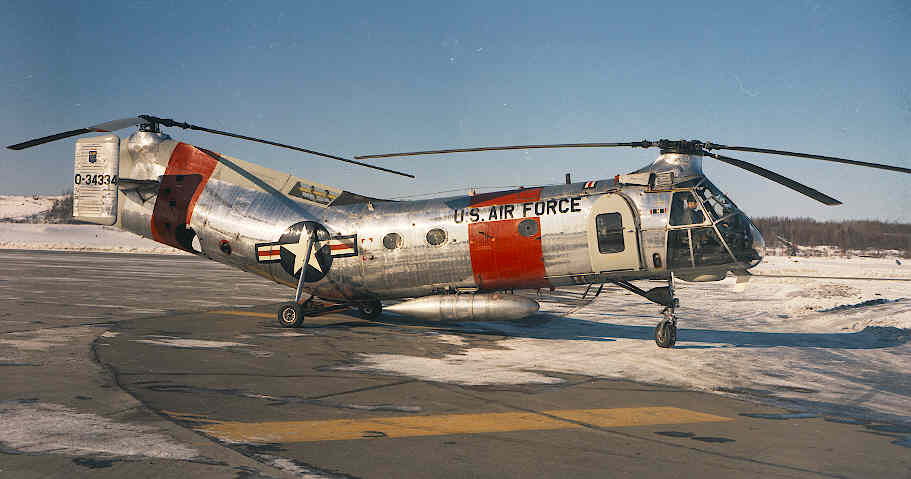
(501, 258)
(186, 175)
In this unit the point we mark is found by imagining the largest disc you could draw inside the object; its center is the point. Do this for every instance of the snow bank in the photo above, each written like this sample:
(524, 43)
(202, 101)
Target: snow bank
(20, 207)
(63, 237)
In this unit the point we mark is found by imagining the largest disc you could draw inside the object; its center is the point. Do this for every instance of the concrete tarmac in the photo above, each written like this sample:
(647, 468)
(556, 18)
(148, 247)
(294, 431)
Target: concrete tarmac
(149, 366)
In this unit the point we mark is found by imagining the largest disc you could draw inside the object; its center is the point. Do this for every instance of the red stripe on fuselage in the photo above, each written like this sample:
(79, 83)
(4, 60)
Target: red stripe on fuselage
(185, 177)
(501, 258)
(506, 197)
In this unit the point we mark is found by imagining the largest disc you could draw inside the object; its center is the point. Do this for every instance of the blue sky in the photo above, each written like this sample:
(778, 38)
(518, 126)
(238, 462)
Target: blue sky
(354, 78)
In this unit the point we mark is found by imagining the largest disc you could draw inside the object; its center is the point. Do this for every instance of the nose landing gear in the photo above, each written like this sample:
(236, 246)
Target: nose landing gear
(666, 330)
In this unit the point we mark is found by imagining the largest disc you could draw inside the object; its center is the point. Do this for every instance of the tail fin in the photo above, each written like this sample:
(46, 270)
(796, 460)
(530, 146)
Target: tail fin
(97, 166)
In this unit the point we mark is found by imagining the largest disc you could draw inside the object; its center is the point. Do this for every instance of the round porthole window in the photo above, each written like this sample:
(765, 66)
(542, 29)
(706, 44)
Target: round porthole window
(528, 228)
(392, 241)
(436, 237)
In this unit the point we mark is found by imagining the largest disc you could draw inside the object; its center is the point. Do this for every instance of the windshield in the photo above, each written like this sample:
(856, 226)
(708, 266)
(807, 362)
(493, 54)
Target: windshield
(744, 240)
(716, 203)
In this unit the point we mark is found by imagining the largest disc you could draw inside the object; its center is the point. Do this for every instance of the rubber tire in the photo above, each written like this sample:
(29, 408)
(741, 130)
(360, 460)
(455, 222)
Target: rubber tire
(370, 310)
(665, 334)
(290, 315)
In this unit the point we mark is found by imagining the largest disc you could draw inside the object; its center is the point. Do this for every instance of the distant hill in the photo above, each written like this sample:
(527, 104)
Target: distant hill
(859, 236)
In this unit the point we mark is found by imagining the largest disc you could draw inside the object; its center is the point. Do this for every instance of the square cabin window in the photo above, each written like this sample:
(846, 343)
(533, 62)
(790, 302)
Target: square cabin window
(609, 228)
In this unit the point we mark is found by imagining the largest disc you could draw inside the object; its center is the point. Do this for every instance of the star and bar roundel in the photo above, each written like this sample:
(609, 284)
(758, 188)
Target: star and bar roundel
(291, 250)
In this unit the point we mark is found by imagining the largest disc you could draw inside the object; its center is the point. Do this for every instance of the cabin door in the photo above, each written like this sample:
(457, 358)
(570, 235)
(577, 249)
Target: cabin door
(612, 241)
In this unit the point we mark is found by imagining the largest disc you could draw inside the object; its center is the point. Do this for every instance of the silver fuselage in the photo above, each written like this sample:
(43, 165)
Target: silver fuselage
(529, 238)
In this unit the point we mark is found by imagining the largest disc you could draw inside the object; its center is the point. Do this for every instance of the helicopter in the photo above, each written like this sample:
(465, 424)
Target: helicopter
(454, 258)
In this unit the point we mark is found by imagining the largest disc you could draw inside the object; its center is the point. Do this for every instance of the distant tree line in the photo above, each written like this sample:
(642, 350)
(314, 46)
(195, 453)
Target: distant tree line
(846, 235)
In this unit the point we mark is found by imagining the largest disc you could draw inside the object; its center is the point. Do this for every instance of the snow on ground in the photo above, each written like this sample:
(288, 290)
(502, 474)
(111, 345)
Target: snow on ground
(828, 346)
(19, 207)
(64, 237)
(34, 428)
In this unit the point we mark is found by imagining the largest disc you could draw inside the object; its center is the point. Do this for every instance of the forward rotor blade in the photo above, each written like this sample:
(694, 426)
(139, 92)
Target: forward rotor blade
(188, 126)
(102, 127)
(781, 180)
(713, 146)
(641, 144)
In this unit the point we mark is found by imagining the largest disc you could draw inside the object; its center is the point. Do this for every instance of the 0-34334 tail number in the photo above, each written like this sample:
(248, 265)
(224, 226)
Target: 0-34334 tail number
(95, 179)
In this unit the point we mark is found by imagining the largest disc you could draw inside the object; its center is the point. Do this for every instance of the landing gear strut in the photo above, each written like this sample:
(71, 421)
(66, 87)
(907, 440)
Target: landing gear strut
(291, 315)
(666, 330)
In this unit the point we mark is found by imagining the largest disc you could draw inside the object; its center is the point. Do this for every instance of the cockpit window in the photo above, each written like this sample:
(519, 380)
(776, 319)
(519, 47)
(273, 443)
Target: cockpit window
(714, 200)
(685, 210)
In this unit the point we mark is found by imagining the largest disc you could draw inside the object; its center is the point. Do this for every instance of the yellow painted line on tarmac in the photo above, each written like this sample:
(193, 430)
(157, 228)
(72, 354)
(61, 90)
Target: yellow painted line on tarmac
(415, 426)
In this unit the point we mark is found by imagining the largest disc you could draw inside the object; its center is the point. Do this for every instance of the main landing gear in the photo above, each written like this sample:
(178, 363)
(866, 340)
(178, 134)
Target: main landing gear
(666, 330)
(370, 309)
(291, 315)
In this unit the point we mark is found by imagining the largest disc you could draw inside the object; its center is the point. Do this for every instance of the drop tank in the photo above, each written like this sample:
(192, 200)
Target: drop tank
(467, 307)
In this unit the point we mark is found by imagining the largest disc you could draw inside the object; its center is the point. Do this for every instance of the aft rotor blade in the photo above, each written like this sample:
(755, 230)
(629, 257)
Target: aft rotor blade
(641, 144)
(713, 146)
(188, 126)
(781, 180)
(102, 127)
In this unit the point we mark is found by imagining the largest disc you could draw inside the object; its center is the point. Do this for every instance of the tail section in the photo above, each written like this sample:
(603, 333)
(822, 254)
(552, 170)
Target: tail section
(97, 166)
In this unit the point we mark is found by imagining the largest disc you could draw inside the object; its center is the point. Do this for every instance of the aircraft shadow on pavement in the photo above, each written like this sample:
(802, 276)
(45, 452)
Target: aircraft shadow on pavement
(558, 327)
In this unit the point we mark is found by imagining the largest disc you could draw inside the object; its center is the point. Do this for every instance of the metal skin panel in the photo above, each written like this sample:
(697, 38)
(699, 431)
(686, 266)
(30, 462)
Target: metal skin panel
(683, 166)
(564, 239)
(654, 214)
(417, 266)
(239, 205)
(143, 156)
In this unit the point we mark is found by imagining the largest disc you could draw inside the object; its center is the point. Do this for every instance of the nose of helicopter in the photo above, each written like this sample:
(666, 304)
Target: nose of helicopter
(758, 245)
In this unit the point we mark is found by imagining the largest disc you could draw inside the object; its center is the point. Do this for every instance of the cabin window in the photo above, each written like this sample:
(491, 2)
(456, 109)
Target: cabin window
(392, 241)
(528, 228)
(609, 228)
(436, 237)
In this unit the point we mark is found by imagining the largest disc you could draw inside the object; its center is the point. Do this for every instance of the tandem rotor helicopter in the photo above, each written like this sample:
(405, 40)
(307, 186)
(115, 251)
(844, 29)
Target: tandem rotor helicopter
(454, 257)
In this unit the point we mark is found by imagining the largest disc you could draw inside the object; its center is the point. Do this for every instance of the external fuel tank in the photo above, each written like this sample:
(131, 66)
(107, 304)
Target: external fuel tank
(467, 307)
